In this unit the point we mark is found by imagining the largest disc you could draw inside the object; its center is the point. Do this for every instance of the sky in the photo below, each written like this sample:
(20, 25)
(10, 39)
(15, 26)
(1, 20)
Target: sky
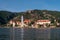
(24, 5)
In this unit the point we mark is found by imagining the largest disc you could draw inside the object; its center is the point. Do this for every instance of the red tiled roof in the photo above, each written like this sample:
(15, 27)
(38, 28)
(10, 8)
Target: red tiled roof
(26, 20)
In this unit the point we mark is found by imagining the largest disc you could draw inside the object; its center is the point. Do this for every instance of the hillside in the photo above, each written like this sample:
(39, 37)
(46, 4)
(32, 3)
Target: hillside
(41, 14)
(5, 16)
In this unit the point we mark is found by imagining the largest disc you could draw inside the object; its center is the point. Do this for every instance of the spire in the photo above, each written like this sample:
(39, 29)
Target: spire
(22, 23)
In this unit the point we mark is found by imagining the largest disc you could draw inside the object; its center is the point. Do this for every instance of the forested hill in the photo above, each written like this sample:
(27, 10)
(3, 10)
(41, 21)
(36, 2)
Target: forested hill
(5, 16)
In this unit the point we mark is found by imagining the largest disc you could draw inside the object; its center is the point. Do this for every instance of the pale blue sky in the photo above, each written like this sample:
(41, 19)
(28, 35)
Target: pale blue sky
(23, 5)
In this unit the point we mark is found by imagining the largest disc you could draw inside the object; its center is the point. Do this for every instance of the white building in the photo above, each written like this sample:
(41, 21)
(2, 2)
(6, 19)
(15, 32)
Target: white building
(41, 22)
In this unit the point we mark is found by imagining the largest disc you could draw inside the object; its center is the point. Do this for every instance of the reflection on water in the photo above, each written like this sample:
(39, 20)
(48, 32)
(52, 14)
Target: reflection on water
(4, 34)
(22, 33)
(29, 34)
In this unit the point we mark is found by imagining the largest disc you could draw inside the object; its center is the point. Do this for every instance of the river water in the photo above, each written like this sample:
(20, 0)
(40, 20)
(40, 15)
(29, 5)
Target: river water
(29, 34)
